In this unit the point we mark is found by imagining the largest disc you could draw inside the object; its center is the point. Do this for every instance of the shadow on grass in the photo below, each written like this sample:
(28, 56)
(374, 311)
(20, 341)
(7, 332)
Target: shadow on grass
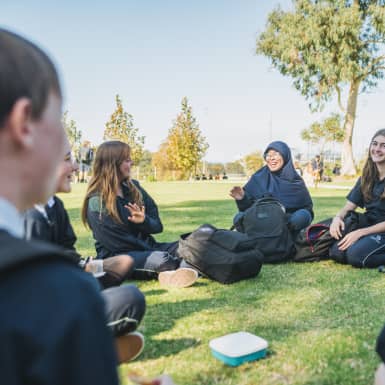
(156, 348)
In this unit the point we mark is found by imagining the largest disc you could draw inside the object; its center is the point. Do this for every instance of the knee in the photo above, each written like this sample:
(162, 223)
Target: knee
(354, 257)
(164, 261)
(299, 219)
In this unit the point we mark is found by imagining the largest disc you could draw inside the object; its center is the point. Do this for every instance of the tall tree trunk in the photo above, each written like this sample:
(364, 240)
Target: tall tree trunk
(348, 166)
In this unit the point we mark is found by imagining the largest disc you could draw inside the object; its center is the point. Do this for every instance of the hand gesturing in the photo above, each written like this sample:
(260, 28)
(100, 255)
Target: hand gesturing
(137, 213)
(237, 193)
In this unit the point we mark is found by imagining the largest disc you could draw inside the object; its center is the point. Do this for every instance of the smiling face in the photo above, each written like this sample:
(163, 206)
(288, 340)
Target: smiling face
(66, 171)
(274, 160)
(377, 150)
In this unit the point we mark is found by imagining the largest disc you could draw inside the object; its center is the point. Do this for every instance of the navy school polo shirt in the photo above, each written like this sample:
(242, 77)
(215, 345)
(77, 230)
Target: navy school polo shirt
(375, 208)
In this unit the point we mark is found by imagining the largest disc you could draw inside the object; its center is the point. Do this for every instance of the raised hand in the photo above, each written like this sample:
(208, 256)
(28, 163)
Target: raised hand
(137, 213)
(237, 193)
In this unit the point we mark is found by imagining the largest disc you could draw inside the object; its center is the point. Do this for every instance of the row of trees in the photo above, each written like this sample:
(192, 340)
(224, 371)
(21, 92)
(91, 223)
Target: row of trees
(180, 154)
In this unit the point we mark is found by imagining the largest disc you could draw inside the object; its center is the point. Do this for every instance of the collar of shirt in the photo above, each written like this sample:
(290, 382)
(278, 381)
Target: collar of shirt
(10, 219)
(42, 208)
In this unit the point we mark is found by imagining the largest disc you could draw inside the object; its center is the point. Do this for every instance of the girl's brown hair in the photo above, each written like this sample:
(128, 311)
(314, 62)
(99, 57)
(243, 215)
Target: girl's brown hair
(370, 172)
(106, 179)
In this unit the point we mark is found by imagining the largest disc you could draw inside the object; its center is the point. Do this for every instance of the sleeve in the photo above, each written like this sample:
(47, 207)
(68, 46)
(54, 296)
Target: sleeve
(245, 202)
(355, 195)
(64, 340)
(83, 351)
(113, 236)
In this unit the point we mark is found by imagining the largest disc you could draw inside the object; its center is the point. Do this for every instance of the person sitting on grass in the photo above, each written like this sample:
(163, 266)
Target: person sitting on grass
(279, 179)
(123, 217)
(364, 247)
(125, 305)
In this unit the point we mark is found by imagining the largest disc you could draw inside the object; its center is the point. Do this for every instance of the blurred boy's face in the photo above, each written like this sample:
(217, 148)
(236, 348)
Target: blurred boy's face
(65, 171)
(45, 151)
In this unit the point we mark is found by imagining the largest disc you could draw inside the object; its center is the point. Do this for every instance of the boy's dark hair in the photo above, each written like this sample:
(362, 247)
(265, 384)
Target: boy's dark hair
(25, 71)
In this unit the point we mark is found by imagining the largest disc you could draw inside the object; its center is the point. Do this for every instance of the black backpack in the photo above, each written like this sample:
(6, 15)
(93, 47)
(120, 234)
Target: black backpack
(223, 255)
(266, 222)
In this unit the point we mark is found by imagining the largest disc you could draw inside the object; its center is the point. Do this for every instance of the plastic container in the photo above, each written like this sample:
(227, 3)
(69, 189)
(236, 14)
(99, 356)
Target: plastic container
(236, 348)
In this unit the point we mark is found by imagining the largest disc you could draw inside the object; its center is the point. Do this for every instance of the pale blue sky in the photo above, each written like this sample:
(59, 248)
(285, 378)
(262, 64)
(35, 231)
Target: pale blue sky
(154, 52)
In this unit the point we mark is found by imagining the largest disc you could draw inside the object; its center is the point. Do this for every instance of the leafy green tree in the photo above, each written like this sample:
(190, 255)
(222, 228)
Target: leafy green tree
(252, 162)
(328, 130)
(328, 46)
(121, 127)
(73, 133)
(185, 145)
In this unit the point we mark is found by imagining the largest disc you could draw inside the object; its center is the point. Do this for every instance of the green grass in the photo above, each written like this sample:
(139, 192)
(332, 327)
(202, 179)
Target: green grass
(321, 319)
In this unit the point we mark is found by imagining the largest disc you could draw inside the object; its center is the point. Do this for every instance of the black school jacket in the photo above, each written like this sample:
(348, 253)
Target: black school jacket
(55, 227)
(52, 322)
(113, 238)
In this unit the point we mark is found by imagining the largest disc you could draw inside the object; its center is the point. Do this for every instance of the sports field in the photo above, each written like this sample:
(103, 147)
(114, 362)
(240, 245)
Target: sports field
(321, 319)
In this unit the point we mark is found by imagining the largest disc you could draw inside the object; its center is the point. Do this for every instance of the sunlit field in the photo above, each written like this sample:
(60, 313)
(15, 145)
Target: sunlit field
(321, 319)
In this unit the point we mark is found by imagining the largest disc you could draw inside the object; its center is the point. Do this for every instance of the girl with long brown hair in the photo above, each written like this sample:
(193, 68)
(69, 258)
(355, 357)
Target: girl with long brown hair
(364, 247)
(123, 217)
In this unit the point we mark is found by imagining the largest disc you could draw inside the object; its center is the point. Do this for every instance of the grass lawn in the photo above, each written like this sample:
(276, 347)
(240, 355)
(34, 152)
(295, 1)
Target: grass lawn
(321, 319)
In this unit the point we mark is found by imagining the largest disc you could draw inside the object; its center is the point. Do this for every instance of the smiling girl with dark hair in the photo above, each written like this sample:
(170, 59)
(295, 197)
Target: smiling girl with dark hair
(364, 247)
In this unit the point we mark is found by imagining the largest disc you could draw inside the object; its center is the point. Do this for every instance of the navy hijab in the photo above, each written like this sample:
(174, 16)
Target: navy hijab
(285, 184)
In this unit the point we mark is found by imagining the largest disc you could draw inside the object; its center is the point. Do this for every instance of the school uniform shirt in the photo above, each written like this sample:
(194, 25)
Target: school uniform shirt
(50, 222)
(374, 208)
(113, 238)
(49, 335)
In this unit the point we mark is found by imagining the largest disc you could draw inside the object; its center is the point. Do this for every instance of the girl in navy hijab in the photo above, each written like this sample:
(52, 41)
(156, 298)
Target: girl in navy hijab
(278, 178)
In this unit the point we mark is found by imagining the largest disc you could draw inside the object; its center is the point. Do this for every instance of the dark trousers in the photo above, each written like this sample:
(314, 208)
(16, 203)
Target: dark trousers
(149, 263)
(125, 307)
(368, 251)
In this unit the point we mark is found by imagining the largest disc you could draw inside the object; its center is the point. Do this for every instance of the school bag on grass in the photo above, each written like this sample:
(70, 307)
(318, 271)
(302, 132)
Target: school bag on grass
(313, 243)
(223, 255)
(266, 223)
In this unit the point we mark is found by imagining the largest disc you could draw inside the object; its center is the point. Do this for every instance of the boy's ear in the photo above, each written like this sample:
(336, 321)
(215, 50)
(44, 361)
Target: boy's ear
(19, 123)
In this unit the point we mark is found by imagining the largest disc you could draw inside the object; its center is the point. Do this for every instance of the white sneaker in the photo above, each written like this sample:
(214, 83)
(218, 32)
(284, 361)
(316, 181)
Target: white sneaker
(182, 277)
(129, 346)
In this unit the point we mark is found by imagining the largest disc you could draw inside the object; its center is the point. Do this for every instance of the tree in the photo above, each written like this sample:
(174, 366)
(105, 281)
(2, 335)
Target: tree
(74, 135)
(185, 145)
(328, 46)
(121, 127)
(328, 130)
(235, 167)
(253, 162)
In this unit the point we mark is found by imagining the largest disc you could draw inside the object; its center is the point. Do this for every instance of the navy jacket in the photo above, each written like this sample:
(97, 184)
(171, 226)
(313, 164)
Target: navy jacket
(55, 227)
(50, 335)
(113, 238)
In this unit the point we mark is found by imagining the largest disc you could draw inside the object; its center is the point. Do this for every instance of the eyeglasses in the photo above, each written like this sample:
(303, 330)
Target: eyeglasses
(272, 156)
